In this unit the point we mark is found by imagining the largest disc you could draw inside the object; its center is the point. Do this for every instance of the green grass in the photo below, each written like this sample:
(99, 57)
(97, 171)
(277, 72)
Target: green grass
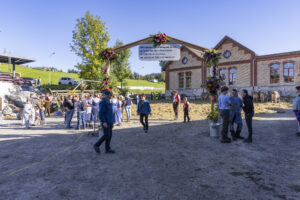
(34, 73)
(144, 83)
(55, 76)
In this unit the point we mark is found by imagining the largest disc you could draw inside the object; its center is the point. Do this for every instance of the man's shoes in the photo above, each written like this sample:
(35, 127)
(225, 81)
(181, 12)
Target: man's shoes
(248, 140)
(226, 140)
(110, 151)
(240, 137)
(146, 131)
(184, 121)
(77, 129)
(97, 149)
(234, 138)
(298, 134)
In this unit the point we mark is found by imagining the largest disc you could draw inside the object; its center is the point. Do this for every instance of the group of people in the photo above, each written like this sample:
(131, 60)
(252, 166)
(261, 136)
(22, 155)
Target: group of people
(88, 109)
(109, 110)
(230, 109)
(33, 113)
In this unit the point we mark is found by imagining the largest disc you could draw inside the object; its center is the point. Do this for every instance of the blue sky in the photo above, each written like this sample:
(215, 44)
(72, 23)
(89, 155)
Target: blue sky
(36, 28)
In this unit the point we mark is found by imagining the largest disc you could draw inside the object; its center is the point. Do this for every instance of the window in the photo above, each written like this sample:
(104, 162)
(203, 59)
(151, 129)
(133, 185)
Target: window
(274, 73)
(232, 76)
(184, 60)
(180, 80)
(227, 54)
(188, 79)
(288, 72)
(223, 74)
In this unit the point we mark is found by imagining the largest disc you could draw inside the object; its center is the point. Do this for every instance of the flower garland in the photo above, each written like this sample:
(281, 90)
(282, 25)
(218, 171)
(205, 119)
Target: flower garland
(108, 54)
(159, 38)
(211, 57)
(106, 81)
(213, 84)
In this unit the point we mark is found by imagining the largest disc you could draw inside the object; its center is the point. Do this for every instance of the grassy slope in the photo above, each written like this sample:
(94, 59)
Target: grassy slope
(55, 76)
(28, 72)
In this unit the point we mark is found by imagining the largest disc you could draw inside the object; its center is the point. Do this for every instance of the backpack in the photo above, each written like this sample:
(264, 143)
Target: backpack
(83, 106)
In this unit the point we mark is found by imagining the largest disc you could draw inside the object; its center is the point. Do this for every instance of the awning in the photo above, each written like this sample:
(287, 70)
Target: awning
(18, 60)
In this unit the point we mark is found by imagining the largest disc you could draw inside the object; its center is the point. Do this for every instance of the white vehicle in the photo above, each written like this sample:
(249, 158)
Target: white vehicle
(67, 81)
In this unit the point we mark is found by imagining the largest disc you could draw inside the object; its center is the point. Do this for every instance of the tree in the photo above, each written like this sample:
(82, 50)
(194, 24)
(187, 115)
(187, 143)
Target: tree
(120, 65)
(90, 37)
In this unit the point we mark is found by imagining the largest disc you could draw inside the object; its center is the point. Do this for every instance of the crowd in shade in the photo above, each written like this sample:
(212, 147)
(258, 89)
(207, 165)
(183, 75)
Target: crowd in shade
(108, 111)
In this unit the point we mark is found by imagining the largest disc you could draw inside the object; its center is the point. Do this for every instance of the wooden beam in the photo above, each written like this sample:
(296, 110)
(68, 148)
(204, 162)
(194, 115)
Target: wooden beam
(177, 41)
(148, 40)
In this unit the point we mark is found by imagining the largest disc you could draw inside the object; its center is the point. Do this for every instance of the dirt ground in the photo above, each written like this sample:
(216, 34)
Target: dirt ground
(173, 161)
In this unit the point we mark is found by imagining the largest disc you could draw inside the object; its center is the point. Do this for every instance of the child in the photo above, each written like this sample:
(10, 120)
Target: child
(37, 120)
(144, 110)
(42, 113)
(27, 112)
(186, 108)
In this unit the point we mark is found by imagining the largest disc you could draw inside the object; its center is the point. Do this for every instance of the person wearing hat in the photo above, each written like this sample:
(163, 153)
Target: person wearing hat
(106, 116)
(224, 109)
(296, 108)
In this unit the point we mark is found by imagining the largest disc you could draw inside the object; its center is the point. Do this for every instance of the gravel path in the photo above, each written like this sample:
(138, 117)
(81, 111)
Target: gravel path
(173, 161)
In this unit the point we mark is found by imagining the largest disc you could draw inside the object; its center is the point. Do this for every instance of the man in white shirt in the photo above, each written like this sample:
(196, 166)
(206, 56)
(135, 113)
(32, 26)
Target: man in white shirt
(224, 109)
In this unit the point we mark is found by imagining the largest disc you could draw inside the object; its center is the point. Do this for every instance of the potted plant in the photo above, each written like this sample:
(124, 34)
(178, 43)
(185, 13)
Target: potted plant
(214, 125)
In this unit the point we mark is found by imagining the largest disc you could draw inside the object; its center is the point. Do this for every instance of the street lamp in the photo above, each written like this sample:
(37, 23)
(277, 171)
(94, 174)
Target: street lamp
(52, 54)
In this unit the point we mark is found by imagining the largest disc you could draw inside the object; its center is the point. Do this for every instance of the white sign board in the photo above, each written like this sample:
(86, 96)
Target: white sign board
(165, 52)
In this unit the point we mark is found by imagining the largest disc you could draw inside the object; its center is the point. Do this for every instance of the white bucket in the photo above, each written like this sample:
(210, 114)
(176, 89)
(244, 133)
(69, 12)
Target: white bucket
(214, 129)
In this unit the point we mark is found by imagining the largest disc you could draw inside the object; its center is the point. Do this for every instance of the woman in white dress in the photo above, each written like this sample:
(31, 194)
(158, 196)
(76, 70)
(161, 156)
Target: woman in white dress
(116, 109)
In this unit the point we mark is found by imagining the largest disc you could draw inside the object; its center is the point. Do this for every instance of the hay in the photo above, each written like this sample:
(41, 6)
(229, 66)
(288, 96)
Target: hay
(199, 109)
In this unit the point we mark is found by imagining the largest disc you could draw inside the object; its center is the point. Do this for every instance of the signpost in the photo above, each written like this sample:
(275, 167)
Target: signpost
(165, 52)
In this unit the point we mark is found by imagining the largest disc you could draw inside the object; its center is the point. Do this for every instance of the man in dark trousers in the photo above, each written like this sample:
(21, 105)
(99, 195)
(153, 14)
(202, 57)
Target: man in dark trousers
(81, 113)
(249, 112)
(69, 108)
(224, 109)
(106, 116)
(144, 110)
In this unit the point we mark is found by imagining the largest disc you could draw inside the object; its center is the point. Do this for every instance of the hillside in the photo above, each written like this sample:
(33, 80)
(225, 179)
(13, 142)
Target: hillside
(34, 73)
(55, 76)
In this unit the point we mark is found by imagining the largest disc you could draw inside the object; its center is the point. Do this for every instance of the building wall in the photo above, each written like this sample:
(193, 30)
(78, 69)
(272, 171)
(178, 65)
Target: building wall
(237, 54)
(196, 79)
(193, 65)
(243, 72)
(192, 60)
(263, 71)
(253, 72)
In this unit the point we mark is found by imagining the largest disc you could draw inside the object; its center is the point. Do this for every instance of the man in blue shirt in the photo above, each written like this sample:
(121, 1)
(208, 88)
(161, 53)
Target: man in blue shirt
(235, 115)
(128, 107)
(107, 121)
(224, 109)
